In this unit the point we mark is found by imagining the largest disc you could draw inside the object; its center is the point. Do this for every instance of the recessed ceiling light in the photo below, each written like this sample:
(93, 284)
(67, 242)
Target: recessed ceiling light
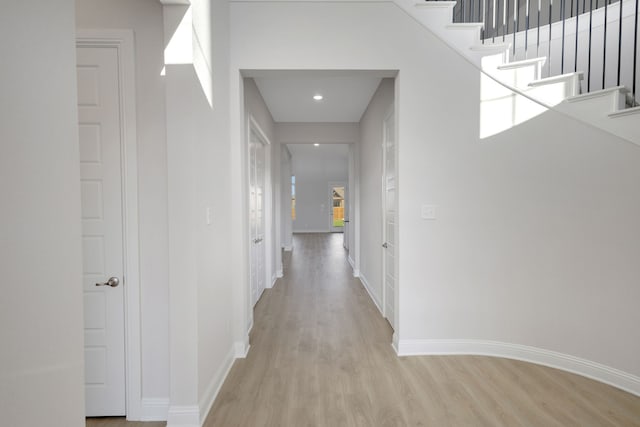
(318, 97)
(316, 145)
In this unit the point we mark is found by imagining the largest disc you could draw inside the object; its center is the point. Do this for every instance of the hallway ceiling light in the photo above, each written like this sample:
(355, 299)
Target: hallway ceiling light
(316, 145)
(318, 97)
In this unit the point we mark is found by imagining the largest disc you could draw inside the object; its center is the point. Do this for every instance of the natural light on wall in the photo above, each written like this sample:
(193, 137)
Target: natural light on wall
(501, 108)
(184, 48)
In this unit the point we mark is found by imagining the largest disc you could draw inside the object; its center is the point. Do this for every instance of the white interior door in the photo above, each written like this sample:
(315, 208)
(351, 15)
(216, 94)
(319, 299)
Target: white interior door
(389, 218)
(102, 229)
(257, 216)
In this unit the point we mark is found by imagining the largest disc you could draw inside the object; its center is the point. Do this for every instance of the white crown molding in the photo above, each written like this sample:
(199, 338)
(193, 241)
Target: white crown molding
(565, 362)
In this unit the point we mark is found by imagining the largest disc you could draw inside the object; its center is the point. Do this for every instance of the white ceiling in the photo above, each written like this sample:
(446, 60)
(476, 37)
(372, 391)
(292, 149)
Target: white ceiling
(289, 94)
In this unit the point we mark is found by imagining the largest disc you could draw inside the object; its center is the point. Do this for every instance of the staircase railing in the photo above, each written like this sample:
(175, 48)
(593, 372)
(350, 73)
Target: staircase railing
(597, 37)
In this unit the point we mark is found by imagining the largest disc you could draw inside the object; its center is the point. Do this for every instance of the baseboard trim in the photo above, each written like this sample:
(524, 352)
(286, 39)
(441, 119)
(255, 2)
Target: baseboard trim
(565, 362)
(241, 349)
(287, 248)
(279, 274)
(367, 287)
(352, 263)
(274, 277)
(154, 409)
(183, 416)
(215, 385)
(312, 231)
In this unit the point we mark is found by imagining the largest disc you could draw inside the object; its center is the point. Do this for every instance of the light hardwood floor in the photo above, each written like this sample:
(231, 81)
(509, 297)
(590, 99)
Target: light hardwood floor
(321, 356)
(120, 422)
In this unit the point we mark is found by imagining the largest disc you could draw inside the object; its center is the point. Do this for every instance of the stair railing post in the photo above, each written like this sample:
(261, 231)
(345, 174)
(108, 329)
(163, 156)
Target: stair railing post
(635, 56)
(619, 40)
(590, 31)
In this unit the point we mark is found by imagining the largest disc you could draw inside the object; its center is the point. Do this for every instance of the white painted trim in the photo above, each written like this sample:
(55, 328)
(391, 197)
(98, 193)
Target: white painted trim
(332, 184)
(154, 409)
(212, 390)
(315, 230)
(123, 42)
(183, 416)
(279, 274)
(253, 125)
(287, 248)
(356, 272)
(274, 279)
(390, 113)
(367, 287)
(241, 349)
(565, 362)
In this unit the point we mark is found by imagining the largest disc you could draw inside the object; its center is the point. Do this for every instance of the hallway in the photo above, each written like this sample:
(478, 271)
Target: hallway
(321, 356)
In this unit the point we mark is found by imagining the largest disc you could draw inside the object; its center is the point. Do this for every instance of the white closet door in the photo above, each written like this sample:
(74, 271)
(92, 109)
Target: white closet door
(102, 229)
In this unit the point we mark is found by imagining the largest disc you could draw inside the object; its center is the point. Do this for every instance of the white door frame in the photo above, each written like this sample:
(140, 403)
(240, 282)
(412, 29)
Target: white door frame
(123, 42)
(252, 125)
(394, 321)
(331, 185)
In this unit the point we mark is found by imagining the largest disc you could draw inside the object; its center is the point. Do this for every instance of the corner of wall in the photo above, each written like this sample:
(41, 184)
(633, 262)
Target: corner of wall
(367, 287)
(214, 386)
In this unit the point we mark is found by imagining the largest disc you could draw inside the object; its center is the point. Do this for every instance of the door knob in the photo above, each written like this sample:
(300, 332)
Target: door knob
(113, 282)
(384, 245)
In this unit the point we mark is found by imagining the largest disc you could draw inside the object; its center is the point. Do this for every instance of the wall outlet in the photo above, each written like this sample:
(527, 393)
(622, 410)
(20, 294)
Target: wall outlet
(428, 212)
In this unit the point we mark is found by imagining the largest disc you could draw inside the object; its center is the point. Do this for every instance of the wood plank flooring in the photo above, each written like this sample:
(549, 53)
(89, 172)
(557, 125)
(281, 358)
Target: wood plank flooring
(321, 356)
(120, 422)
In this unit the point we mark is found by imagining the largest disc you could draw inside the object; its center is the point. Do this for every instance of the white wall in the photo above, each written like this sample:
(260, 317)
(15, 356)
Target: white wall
(371, 139)
(200, 279)
(144, 17)
(315, 168)
(536, 239)
(41, 318)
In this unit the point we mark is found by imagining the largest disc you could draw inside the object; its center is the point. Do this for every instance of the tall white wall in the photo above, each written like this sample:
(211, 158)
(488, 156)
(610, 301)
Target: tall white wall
(200, 279)
(216, 279)
(536, 239)
(371, 139)
(144, 17)
(41, 317)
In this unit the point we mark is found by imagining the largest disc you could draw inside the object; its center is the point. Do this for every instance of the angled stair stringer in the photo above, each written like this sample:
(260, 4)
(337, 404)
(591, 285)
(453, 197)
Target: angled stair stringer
(560, 93)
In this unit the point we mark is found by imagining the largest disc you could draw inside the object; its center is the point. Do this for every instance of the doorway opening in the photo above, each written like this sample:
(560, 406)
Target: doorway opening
(313, 115)
(338, 199)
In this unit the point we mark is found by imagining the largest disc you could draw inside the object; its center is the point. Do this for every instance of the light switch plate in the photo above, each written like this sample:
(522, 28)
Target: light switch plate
(428, 212)
(208, 215)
